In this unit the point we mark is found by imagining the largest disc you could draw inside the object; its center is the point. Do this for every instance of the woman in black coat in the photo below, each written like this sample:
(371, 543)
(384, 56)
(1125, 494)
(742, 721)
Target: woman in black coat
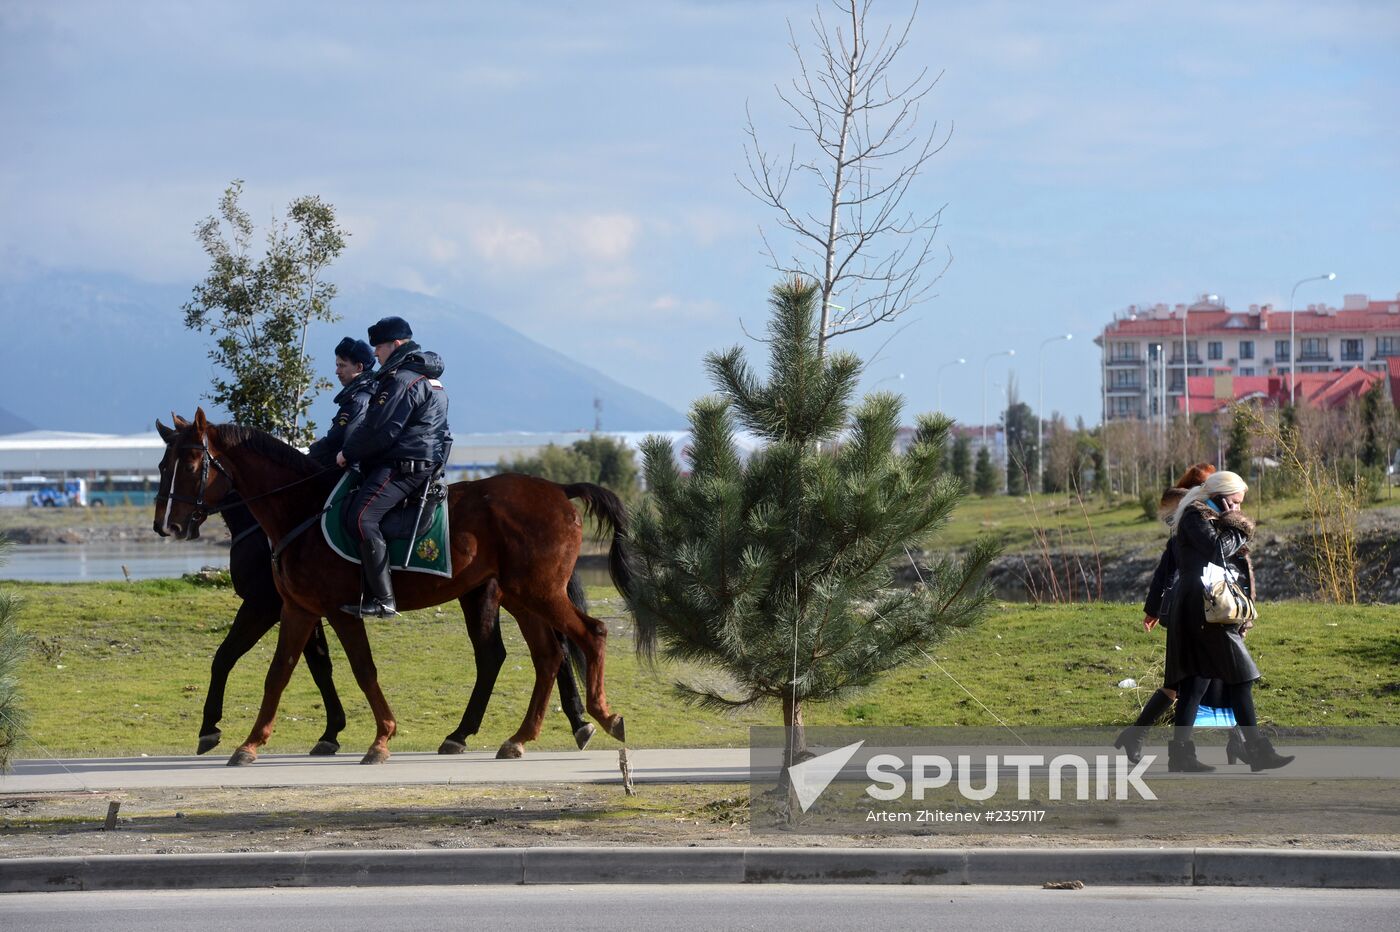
(1209, 528)
(1133, 738)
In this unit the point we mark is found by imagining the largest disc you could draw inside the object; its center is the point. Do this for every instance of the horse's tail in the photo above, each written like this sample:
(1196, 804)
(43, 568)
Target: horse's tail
(606, 508)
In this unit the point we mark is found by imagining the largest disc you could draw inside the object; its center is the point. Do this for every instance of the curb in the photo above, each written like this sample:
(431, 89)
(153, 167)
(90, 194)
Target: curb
(1228, 867)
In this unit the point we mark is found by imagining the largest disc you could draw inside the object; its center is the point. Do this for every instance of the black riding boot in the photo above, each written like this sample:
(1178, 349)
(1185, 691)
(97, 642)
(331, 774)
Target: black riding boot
(1181, 758)
(377, 597)
(1262, 755)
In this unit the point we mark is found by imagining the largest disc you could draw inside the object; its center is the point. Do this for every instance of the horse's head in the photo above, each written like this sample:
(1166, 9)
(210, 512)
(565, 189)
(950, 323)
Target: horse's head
(192, 481)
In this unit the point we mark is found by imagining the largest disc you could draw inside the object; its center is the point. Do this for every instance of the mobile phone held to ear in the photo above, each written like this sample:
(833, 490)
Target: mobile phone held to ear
(1219, 502)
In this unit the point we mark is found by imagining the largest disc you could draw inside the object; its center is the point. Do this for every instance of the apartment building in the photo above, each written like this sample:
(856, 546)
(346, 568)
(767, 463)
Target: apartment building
(1148, 352)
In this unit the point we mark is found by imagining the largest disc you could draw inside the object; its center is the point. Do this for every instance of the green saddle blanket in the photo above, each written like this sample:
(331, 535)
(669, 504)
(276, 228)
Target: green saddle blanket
(427, 553)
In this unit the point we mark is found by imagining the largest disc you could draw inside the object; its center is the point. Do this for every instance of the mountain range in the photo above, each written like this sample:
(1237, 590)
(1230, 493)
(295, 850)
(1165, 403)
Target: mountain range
(104, 353)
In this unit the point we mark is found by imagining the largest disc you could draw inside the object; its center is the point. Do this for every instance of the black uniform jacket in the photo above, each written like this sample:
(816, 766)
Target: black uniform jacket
(407, 416)
(354, 402)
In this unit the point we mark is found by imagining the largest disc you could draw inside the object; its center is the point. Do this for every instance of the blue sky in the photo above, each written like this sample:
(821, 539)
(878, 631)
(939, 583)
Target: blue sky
(570, 168)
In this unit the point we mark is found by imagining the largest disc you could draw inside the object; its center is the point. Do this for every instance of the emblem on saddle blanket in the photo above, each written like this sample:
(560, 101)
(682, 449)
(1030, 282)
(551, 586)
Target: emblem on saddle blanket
(426, 553)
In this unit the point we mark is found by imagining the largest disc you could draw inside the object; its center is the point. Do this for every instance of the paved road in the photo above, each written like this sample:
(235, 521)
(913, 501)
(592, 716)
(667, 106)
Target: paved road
(707, 908)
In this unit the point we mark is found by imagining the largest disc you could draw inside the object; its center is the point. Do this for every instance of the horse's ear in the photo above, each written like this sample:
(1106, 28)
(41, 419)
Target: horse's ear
(178, 421)
(165, 432)
(200, 422)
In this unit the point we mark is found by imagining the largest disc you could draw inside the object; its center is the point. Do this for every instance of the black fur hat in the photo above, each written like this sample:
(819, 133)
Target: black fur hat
(390, 328)
(356, 351)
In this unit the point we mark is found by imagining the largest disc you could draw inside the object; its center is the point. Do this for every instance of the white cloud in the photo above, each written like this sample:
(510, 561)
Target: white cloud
(605, 237)
(500, 244)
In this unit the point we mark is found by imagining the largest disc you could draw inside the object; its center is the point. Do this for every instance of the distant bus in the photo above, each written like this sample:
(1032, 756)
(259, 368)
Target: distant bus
(123, 490)
(43, 492)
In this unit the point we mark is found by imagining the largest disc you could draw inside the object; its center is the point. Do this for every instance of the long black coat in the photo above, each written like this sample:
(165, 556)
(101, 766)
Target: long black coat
(1196, 647)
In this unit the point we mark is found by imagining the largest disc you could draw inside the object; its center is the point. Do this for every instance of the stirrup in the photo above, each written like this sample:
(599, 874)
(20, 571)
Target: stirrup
(371, 608)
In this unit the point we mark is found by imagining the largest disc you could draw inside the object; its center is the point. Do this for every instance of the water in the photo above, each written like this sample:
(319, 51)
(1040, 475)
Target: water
(92, 562)
(147, 560)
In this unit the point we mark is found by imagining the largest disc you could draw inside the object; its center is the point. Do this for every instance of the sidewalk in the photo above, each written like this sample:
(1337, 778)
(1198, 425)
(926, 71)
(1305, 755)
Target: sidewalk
(706, 765)
(721, 765)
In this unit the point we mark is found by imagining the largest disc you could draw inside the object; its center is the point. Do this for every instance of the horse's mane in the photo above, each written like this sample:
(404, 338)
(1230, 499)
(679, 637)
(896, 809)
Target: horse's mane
(264, 444)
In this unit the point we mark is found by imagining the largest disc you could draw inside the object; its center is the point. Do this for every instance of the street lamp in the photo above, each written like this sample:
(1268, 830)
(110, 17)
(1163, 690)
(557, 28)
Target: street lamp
(1040, 413)
(1292, 344)
(888, 378)
(1009, 352)
(939, 380)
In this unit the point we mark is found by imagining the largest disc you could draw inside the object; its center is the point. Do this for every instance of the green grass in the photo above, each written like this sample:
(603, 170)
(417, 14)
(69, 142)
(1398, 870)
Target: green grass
(1067, 522)
(122, 668)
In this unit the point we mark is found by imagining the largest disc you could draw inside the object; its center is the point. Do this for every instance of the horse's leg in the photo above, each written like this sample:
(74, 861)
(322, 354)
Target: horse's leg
(482, 610)
(569, 697)
(249, 625)
(591, 636)
(291, 641)
(547, 655)
(351, 632)
(318, 661)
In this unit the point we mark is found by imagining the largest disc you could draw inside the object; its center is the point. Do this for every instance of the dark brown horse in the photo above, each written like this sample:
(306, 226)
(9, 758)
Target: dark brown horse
(514, 542)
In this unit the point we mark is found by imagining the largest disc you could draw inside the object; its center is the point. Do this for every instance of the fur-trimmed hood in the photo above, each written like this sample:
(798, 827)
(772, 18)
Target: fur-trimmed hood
(1239, 522)
(1235, 521)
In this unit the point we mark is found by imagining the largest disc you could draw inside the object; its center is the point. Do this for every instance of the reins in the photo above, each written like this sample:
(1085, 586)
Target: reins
(207, 459)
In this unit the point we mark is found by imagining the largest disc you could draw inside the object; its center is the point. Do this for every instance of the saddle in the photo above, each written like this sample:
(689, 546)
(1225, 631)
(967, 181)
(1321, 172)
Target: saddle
(416, 530)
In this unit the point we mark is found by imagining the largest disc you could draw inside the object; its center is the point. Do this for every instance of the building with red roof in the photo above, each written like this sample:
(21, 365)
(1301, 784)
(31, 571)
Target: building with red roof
(1211, 394)
(1145, 370)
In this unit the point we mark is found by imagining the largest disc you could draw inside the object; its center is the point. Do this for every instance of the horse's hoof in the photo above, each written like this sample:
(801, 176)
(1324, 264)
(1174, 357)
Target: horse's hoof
(449, 746)
(618, 730)
(324, 748)
(208, 742)
(583, 735)
(510, 751)
(375, 756)
(242, 757)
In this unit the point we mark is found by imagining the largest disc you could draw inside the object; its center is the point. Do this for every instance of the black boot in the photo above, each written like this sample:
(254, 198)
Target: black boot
(1262, 755)
(1235, 748)
(377, 597)
(1131, 740)
(1181, 758)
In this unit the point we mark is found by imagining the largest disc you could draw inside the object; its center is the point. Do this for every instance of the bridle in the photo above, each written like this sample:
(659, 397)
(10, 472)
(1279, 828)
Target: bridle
(201, 510)
(207, 460)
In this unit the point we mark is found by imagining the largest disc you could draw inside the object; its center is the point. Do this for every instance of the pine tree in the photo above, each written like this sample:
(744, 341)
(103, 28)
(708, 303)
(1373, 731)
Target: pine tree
(1022, 453)
(961, 460)
(13, 646)
(985, 481)
(777, 571)
(1377, 413)
(1237, 451)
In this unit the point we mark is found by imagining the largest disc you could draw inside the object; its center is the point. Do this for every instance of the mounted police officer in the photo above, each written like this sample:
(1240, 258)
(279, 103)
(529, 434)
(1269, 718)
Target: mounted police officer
(354, 367)
(398, 446)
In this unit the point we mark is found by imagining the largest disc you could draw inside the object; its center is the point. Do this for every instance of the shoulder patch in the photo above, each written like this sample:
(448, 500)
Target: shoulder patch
(343, 420)
(382, 398)
(435, 384)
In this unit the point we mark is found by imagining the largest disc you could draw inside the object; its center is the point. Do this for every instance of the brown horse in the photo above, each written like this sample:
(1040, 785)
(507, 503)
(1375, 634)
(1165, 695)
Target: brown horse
(514, 541)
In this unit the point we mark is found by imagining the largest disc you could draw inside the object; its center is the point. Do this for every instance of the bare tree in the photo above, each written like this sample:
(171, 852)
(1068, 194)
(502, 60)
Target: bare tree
(843, 199)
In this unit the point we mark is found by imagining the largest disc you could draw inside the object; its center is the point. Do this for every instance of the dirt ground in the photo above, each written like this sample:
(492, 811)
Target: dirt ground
(429, 817)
